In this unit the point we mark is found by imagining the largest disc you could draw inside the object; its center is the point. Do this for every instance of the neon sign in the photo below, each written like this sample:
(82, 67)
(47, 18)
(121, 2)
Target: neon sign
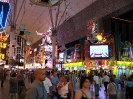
(46, 48)
(4, 11)
(3, 45)
(2, 56)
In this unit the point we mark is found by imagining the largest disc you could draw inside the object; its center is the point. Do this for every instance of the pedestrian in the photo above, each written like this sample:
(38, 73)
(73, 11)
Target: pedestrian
(84, 92)
(122, 78)
(13, 90)
(59, 86)
(21, 85)
(106, 81)
(116, 81)
(37, 89)
(96, 83)
(54, 81)
(112, 89)
(129, 88)
(66, 89)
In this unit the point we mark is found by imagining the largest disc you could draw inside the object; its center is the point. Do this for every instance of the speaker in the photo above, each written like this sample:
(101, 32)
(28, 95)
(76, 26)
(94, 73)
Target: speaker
(21, 33)
(45, 1)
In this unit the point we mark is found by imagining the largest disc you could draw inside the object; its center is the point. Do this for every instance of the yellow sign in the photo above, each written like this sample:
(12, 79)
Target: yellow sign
(77, 64)
(3, 45)
(2, 56)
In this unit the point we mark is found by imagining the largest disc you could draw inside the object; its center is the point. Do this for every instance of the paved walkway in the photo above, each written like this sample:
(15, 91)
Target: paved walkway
(4, 91)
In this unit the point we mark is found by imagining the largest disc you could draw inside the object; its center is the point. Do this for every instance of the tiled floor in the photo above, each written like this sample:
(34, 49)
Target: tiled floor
(4, 91)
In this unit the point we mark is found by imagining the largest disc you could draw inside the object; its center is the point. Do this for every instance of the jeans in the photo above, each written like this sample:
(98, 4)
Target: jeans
(105, 85)
(97, 89)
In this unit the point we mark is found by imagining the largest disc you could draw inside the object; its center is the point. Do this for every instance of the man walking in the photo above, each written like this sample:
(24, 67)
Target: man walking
(37, 89)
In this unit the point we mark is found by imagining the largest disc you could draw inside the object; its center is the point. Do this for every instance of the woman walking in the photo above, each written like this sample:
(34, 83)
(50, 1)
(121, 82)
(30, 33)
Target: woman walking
(83, 92)
(66, 89)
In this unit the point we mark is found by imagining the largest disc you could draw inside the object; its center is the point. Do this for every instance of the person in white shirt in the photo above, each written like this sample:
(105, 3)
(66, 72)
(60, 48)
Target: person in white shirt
(96, 83)
(48, 86)
(106, 81)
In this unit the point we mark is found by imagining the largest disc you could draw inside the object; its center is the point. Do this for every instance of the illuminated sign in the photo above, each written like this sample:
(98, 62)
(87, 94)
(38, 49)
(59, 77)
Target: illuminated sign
(48, 48)
(2, 56)
(46, 45)
(100, 63)
(3, 45)
(4, 11)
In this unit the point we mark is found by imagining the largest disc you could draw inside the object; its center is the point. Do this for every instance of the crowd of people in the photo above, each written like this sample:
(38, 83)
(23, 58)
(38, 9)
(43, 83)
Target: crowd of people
(60, 85)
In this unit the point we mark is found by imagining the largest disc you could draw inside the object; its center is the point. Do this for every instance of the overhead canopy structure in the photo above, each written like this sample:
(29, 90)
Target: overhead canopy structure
(37, 18)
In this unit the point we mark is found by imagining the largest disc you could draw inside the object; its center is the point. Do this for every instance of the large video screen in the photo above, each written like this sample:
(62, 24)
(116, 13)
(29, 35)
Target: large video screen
(99, 51)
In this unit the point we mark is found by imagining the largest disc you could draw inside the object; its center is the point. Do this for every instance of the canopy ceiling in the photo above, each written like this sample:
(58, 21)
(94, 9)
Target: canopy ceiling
(37, 18)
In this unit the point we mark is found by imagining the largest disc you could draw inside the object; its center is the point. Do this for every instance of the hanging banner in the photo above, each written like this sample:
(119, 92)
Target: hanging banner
(4, 11)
